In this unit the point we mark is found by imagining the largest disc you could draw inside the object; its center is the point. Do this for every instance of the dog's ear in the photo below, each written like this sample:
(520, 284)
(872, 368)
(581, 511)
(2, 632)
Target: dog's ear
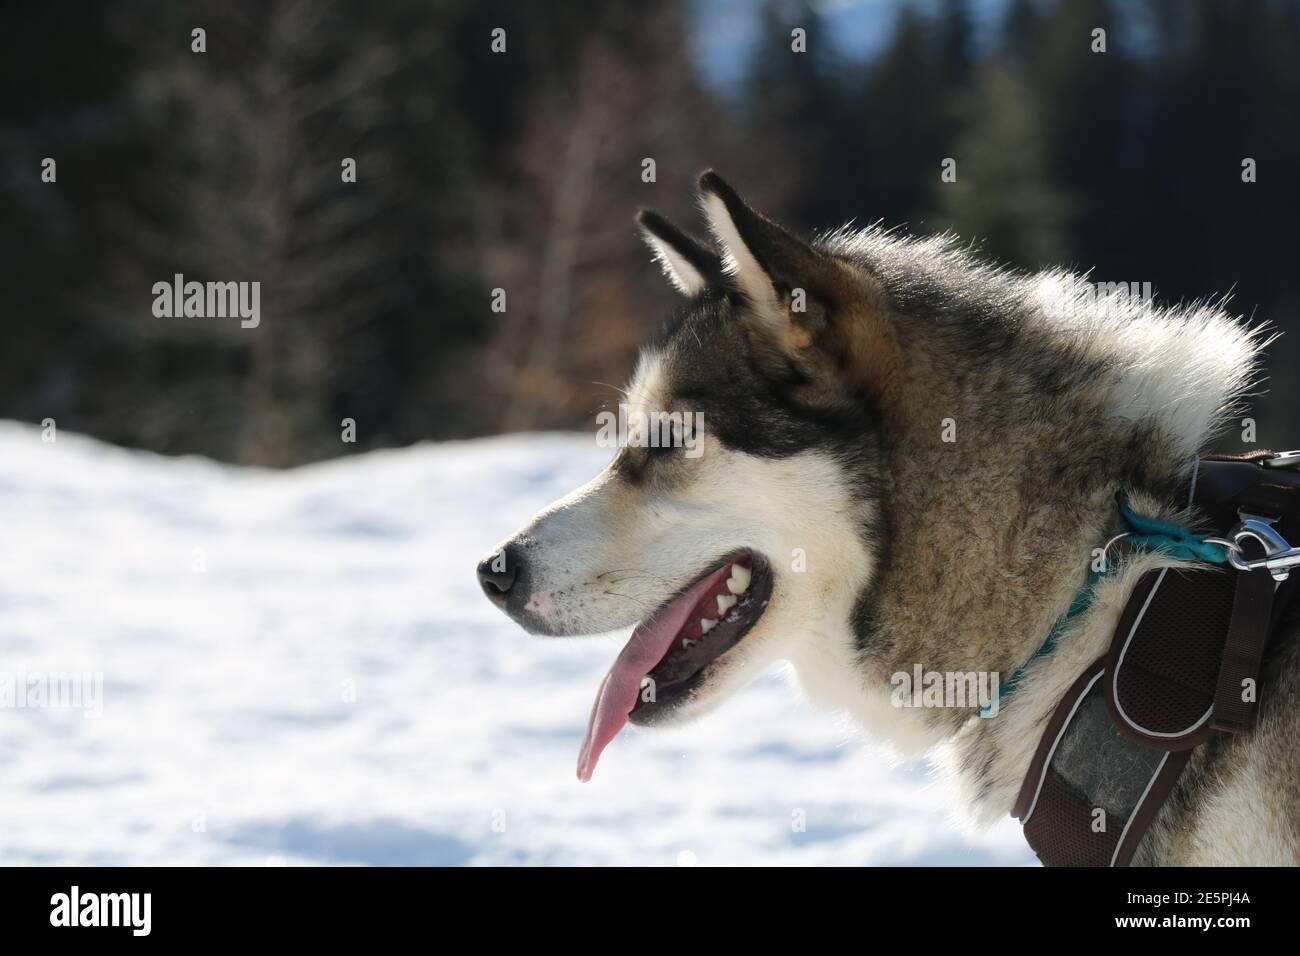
(805, 309)
(785, 281)
(689, 266)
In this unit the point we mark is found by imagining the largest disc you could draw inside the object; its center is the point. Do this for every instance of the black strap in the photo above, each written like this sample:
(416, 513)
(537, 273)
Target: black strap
(1248, 633)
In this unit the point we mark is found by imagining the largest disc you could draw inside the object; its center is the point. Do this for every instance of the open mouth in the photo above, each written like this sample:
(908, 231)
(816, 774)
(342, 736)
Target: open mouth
(670, 651)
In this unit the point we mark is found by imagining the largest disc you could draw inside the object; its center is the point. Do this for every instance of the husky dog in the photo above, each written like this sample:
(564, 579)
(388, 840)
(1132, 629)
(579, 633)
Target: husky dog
(907, 458)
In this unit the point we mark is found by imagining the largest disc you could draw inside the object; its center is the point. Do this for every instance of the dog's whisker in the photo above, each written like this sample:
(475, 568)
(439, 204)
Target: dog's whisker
(629, 597)
(621, 391)
(635, 574)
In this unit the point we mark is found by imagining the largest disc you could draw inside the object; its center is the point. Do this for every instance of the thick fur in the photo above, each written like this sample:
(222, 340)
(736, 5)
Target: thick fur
(825, 427)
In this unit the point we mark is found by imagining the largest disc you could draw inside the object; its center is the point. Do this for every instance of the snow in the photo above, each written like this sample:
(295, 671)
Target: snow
(297, 667)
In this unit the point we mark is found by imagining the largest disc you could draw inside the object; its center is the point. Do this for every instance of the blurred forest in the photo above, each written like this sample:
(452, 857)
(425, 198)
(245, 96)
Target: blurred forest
(522, 170)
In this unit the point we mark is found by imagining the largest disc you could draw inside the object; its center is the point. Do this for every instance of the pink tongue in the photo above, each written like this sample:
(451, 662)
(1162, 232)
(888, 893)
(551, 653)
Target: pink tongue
(621, 686)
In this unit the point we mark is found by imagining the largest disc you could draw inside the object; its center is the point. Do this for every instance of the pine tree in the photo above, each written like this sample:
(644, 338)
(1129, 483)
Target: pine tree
(1003, 194)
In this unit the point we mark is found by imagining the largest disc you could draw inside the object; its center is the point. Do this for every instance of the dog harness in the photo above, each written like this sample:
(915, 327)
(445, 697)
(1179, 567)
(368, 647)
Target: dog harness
(1189, 661)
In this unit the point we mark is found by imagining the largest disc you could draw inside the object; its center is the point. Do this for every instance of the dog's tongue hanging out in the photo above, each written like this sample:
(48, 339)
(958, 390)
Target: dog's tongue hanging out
(647, 646)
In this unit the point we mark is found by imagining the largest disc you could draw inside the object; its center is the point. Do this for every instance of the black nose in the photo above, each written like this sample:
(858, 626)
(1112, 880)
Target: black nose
(496, 572)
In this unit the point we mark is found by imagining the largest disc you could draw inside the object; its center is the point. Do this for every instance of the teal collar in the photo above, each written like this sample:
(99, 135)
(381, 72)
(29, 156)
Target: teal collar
(1143, 534)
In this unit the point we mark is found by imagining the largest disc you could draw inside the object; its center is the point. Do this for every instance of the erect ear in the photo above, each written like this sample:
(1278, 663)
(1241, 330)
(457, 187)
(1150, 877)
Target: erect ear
(689, 266)
(785, 280)
(806, 309)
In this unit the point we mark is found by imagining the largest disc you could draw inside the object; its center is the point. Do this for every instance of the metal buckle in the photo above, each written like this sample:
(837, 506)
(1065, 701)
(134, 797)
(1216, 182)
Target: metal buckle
(1279, 555)
(1283, 459)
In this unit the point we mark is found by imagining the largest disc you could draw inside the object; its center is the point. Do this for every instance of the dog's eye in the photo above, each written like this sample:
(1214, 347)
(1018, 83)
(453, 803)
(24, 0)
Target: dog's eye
(660, 452)
(632, 461)
(685, 431)
(681, 434)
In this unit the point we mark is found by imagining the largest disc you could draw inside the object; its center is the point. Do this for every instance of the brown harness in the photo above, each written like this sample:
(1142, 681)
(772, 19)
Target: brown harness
(1186, 664)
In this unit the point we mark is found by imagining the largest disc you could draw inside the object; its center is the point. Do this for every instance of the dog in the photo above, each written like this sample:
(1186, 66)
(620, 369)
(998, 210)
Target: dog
(903, 458)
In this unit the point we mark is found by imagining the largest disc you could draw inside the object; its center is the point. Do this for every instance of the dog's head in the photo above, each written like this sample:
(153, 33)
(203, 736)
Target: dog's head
(735, 524)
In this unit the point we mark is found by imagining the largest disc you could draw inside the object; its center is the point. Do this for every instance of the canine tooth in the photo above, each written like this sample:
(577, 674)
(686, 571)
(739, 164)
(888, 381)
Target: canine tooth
(725, 602)
(739, 579)
(707, 624)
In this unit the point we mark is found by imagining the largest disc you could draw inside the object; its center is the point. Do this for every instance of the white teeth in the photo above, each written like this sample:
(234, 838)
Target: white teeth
(687, 643)
(725, 603)
(707, 624)
(739, 579)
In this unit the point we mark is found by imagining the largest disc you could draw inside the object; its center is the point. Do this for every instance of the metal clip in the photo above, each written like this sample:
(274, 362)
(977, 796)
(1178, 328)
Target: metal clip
(1279, 555)
(1284, 459)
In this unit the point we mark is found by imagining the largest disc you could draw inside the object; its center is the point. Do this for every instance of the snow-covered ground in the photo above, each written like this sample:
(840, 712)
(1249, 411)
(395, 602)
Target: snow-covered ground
(299, 668)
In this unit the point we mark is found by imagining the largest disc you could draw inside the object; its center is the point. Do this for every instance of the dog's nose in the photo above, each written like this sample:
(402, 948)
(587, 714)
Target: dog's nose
(496, 572)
